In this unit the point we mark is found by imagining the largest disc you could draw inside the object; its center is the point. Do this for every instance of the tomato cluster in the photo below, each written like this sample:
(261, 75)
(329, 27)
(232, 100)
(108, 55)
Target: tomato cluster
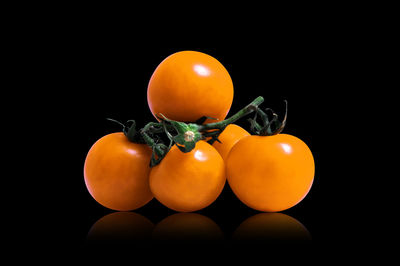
(267, 173)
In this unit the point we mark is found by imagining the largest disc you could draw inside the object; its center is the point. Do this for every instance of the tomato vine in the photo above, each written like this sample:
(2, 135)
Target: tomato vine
(185, 135)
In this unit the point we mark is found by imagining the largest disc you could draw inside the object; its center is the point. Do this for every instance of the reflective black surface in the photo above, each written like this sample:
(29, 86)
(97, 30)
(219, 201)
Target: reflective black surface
(120, 226)
(132, 228)
(227, 221)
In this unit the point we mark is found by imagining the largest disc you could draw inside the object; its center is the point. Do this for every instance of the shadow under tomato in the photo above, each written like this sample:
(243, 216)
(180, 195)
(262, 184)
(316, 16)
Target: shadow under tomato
(187, 227)
(120, 227)
(271, 228)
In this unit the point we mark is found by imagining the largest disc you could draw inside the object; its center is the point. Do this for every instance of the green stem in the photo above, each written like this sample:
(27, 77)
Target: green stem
(151, 126)
(245, 111)
(129, 131)
(268, 127)
(149, 140)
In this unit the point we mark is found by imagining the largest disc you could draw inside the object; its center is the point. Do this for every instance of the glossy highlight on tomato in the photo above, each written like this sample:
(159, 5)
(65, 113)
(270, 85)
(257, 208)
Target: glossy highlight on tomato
(270, 173)
(188, 85)
(187, 182)
(116, 172)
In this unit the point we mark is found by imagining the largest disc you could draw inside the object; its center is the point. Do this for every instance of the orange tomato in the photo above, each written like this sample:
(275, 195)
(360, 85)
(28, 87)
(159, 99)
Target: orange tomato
(229, 137)
(187, 182)
(188, 85)
(270, 173)
(117, 171)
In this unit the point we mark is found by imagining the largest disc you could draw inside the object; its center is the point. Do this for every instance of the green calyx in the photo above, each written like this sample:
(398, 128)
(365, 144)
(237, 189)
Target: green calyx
(187, 134)
(129, 130)
(268, 127)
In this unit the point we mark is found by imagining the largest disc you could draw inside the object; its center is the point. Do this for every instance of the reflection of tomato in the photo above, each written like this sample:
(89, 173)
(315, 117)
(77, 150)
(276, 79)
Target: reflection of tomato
(119, 226)
(117, 172)
(190, 181)
(231, 134)
(270, 173)
(187, 226)
(189, 85)
(271, 226)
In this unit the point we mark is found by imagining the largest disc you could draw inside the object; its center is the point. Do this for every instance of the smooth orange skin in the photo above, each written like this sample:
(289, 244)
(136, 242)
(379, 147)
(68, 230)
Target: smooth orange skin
(117, 172)
(187, 182)
(229, 137)
(188, 85)
(270, 173)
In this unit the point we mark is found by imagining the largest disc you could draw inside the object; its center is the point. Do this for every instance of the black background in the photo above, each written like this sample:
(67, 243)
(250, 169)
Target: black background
(93, 70)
